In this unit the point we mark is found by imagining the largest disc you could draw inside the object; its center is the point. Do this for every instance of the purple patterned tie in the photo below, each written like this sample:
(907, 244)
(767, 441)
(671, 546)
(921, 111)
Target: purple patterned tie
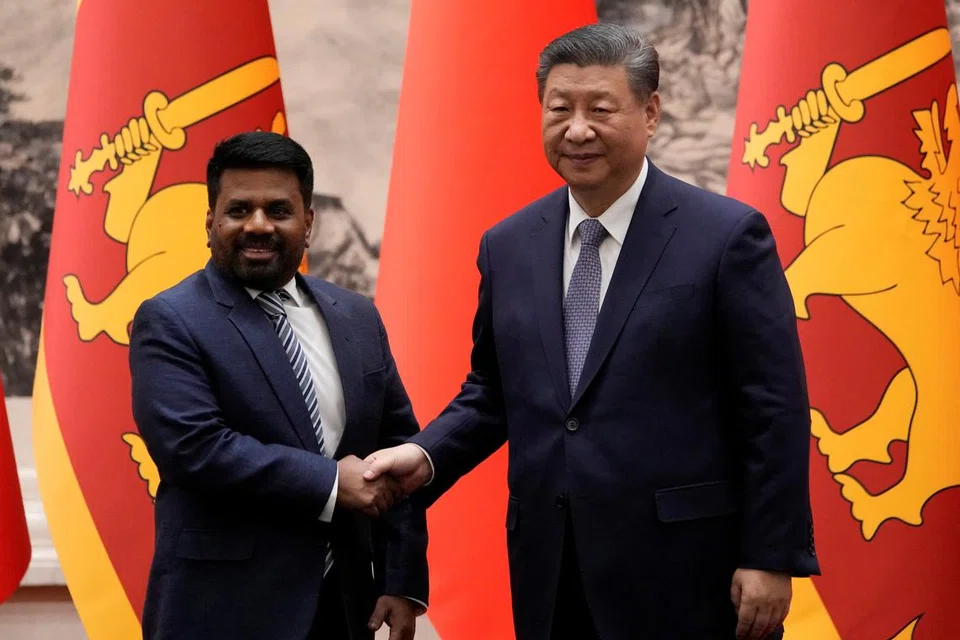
(583, 299)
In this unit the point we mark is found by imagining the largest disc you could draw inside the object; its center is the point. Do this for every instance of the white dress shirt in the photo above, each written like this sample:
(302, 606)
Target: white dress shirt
(616, 220)
(311, 330)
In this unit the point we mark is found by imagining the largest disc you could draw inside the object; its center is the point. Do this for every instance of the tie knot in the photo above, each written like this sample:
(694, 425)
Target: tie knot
(592, 232)
(272, 302)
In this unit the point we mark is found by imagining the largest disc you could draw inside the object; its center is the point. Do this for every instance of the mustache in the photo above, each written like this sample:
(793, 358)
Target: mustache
(259, 242)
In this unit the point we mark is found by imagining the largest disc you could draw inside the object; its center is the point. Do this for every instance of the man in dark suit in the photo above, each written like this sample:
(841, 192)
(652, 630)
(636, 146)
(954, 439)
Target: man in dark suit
(635, 342)
(257, 392)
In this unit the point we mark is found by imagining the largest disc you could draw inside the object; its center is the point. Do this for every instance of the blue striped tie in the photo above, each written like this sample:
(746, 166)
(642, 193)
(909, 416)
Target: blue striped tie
(272, 304)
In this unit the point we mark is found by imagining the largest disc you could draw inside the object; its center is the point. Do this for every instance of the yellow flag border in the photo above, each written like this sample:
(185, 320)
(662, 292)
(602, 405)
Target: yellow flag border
(102, 603)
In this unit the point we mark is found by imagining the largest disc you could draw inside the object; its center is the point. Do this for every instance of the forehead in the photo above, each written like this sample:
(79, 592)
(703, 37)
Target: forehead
(259, 184)
(594, 79)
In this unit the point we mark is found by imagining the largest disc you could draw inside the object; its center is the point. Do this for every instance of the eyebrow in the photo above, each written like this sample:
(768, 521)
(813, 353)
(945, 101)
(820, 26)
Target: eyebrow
(233, 202)
(596, 93)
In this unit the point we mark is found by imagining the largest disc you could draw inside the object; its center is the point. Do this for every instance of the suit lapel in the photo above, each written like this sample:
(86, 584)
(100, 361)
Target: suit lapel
(347, 355)
(643, 245)
(259, 334)
(547, 269)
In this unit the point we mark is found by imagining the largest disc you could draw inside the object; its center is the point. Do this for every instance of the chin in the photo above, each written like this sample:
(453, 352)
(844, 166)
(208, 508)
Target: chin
(583, 182)
(265, 277)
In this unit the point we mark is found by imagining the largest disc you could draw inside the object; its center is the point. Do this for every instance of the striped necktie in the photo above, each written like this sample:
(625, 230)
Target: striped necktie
(272, 304)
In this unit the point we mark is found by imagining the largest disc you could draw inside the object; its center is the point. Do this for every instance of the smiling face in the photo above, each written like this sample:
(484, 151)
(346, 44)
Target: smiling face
(595, 129)
(259, 227)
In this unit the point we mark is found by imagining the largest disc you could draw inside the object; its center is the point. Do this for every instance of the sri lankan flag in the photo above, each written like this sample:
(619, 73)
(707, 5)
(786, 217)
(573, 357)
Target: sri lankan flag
(467, 154)
(846, 122)
(153, 86)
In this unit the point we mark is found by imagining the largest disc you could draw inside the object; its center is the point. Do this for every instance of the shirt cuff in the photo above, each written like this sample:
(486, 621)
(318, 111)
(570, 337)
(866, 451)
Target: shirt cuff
(433, 471)
(327, 514)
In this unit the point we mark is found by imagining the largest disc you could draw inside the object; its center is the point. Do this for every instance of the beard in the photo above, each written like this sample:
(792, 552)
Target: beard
(267, 274)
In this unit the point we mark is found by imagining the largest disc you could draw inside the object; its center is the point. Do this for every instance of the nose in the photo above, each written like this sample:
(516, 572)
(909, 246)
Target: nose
(579, 130)
(258, 222)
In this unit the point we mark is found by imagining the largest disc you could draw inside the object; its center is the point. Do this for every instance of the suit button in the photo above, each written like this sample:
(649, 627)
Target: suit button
(573, 424)
(561, 501)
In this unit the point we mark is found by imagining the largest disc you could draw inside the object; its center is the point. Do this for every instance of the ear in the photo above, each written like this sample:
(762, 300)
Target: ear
(308, 218)
(652, 109)
(209, 224)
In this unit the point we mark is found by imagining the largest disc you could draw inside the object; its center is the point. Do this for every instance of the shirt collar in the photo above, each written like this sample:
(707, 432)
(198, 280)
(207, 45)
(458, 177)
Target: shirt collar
(291, 288)
(616, 219)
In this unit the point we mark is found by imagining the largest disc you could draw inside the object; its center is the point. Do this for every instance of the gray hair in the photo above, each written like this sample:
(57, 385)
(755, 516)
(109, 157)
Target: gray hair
(604, 44)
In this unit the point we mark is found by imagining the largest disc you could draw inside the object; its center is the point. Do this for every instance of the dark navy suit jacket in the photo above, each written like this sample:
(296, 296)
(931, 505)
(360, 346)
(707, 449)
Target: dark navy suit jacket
(239, 550)
(684, 452)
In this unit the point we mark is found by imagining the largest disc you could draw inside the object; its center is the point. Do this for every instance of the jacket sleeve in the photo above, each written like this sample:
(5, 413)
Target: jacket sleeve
(769, 411)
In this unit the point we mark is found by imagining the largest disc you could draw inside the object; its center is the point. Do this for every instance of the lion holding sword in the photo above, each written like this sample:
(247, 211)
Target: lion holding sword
(884, 239)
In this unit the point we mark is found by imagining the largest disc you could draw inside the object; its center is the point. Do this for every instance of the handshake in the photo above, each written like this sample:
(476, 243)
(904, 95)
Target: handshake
(374, 485)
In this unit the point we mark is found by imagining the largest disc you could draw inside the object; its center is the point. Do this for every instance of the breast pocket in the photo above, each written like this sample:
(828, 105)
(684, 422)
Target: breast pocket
(663, 315)
(374, 388)
(375, 372)
(668, 296)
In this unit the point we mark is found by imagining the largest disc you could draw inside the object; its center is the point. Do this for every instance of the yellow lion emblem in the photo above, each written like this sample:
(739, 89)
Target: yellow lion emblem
(885, 239)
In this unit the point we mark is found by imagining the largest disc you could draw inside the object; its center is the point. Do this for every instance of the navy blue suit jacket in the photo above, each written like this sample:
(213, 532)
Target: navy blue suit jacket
(239, 547)
(684, 452)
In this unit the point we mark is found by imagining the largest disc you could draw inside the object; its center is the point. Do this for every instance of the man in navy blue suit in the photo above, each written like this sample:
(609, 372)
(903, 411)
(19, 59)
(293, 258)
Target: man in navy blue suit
(635, 342)
(258, 392)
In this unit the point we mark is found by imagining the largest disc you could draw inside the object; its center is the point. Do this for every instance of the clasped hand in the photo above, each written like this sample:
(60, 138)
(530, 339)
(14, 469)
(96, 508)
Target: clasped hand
(407, 464)
(374, 485)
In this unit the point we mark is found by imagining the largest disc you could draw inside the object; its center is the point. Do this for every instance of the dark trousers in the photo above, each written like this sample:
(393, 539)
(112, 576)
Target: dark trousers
(571, 616)
(330, 623)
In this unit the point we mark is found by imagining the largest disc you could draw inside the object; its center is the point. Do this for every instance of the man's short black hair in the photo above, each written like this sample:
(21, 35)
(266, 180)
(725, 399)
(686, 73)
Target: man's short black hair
(260, 150)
